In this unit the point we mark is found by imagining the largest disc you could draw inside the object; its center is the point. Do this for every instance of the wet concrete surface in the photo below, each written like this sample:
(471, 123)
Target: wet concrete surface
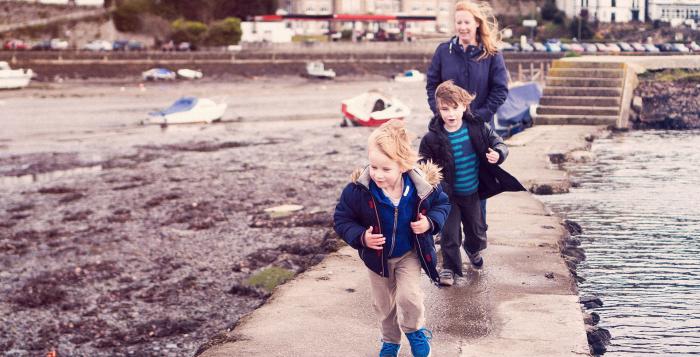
(522, 303)
(118, 239)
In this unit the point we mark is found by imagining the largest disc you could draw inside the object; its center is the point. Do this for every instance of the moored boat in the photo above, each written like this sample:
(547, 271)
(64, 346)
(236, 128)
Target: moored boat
(14, 78)
(188, 110)
(372, 108)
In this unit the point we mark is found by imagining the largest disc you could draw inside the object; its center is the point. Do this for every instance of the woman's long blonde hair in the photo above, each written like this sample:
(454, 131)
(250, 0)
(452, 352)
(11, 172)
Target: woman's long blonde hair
(489, 36)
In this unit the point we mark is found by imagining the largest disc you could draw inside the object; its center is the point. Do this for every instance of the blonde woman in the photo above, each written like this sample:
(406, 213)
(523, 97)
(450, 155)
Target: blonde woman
(472, 61)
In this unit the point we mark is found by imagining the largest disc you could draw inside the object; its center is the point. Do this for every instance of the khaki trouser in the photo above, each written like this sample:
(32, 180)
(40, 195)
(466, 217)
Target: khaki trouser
(399, 295)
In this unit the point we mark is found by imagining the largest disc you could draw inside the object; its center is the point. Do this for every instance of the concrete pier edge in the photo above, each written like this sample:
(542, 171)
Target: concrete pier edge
(523, 302)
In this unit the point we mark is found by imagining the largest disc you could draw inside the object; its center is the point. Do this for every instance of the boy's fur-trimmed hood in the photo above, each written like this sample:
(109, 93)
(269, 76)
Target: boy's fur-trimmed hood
(425, 176)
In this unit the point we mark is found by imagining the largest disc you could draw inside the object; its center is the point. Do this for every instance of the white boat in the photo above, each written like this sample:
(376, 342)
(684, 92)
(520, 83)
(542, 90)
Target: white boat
(317, 70)
(189, 73)
(154, 74)
(14, 78)
(412, 75)
(372, 108)
(188, 110)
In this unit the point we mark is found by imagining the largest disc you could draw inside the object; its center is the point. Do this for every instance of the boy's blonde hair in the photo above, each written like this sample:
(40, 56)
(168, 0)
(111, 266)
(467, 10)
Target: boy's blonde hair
(488, 32)
(448, 93)
(394, 140)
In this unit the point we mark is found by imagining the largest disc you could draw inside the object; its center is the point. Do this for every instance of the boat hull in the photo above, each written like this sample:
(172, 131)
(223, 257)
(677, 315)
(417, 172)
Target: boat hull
(197, 115)
(15, 81)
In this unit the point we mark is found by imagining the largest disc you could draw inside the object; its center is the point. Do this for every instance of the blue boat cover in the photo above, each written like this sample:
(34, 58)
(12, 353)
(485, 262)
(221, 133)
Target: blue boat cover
(514, 114)
(181, 105)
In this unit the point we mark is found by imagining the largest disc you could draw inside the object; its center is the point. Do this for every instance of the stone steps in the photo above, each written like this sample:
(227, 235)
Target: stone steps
(583, 82)
(598, 73)
(579, 101)
(573, 110)
(583, 93)
(549, 119)
(581, 64)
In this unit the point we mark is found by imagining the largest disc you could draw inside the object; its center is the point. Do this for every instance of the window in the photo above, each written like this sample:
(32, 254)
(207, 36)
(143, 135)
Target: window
(612, 17)
(612, 4)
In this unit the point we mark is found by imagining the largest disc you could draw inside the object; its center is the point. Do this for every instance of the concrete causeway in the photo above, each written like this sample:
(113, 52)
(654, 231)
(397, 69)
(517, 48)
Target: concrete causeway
(523, 303)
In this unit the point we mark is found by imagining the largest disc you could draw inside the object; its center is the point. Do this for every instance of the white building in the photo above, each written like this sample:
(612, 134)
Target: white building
(605, 10)
(275, 32)
(667, 10)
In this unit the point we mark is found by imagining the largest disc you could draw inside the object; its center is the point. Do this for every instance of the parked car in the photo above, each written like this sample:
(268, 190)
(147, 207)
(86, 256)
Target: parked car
(507, 47)
(539, 47)
(679, 47)
(185, 46)
(665, 47)
(527, 48)
(693, 46)
(552, 47)
(589, 47)
(58, 45)
(625, 47)
(15, 44)
(135, 46)
(576, 47)
(43, 45)
(651, 48)
(168, 46)
(613, 48)
(120, 45)
(601, 47)
(638, 47)
(98, 45)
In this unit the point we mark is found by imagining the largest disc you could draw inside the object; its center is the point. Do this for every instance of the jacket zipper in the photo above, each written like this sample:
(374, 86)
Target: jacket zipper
(420, 251)
(393, 236)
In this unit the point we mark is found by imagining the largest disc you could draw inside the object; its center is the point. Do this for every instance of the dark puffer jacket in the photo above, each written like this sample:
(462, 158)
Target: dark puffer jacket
(356, 211)
(435, 146)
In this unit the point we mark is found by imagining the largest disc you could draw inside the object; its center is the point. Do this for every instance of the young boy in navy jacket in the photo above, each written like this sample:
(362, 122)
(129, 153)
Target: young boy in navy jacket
(389, 213)
(470, 152)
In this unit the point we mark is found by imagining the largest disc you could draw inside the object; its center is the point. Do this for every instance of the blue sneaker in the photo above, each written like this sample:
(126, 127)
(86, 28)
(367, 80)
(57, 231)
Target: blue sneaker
(389, 350)
(420, 342)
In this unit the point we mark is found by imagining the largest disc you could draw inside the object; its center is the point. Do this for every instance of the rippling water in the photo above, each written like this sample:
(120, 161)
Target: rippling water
(639, 206)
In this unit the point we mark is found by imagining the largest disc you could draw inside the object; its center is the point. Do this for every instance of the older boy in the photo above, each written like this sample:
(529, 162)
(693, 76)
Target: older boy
(469, 152)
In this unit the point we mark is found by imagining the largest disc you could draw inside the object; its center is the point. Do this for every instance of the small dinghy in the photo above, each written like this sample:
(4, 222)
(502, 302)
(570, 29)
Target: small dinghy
(317, 70)
(189, 73)
(155, 74)
(412, 75)
(14, 78)
(188, 110)
(372, 108)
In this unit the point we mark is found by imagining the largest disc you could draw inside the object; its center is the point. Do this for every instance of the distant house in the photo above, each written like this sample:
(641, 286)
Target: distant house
(632, 10)
(67, 2)
(605, 10)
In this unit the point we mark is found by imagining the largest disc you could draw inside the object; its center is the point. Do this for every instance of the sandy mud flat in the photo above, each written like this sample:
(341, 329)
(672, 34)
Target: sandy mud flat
(121, 239)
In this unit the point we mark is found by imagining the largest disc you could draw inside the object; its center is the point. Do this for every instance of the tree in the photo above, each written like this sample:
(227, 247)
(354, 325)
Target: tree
(243, 9)
(188, 31)
(225, 32)
(549, 10)
(126, 16)
(585, 30)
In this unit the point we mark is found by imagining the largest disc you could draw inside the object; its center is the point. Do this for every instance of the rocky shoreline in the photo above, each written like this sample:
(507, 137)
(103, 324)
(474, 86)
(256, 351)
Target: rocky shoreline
(668, 99)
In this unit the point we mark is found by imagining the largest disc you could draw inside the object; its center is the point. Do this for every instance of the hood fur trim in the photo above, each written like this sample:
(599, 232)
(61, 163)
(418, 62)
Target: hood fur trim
(432, 173)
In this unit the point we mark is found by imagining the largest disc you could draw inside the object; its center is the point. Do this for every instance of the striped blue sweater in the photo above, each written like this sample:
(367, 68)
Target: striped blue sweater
(466, 162)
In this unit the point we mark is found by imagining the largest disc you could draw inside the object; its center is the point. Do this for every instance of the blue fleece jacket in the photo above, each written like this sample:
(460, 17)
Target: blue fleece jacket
(486, 78)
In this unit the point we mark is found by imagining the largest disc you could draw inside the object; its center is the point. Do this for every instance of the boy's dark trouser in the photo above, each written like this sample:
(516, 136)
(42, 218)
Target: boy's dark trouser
(467, 211)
